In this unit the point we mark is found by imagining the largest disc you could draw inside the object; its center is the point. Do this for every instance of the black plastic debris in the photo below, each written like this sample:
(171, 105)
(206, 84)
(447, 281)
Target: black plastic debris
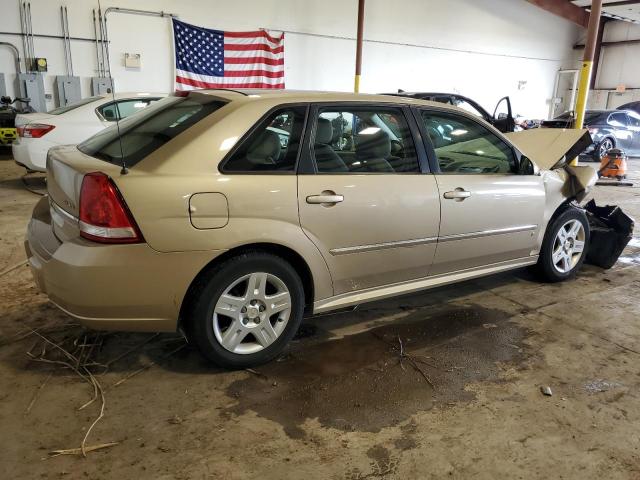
(611, 230)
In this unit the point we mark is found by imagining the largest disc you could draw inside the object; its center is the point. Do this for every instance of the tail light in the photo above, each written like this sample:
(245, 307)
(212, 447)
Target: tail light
(34, 130)
(104, 215)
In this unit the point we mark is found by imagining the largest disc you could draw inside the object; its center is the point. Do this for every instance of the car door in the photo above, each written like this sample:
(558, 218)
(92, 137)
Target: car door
(624, 135)
(490, 213)
(363, 196)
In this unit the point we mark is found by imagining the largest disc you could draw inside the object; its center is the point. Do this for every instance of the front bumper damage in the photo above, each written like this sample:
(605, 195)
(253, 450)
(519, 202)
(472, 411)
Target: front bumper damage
(611, 229)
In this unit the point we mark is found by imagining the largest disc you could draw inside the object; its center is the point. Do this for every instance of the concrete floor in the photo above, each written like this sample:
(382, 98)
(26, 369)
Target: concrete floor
(340, 404)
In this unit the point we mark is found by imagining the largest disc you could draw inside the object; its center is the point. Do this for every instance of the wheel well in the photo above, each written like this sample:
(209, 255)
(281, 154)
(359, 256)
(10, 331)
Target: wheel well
(286, 253)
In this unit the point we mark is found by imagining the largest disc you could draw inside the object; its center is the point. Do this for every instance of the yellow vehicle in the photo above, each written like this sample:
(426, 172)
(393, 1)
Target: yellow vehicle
(8, 135)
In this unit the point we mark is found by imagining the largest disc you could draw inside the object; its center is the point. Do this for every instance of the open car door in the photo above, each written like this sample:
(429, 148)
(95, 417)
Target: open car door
(503, 116)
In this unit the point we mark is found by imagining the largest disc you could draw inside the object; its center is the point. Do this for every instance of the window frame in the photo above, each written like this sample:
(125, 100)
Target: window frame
(249, 133)
(431, 152)
(118, 100)
(307, 164)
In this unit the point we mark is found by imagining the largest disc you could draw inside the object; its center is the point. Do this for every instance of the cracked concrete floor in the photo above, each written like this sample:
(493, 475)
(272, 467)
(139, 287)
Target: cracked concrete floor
(341, 404)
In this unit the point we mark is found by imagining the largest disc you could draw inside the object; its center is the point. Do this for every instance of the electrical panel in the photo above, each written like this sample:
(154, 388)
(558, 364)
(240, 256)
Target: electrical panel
(31, 85)
(68, 89)
(3, 86)
(101, 85)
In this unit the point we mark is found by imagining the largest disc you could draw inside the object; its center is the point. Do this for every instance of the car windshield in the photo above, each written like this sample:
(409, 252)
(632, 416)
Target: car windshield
(73, 106)
(137, 136)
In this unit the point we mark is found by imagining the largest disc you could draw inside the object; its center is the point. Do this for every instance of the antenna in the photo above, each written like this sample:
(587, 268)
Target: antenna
(124, 170)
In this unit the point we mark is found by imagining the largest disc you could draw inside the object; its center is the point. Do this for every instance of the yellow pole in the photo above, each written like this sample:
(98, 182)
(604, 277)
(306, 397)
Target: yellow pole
(587, 64)
(356, 84)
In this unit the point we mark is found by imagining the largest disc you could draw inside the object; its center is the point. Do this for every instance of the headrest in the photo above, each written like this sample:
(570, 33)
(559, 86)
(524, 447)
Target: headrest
(265, 149)
(374, 145)
(324, 131)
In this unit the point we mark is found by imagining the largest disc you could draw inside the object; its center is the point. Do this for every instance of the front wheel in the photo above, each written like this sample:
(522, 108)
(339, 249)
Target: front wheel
(246, 310)
(602, 148)
(564, 247)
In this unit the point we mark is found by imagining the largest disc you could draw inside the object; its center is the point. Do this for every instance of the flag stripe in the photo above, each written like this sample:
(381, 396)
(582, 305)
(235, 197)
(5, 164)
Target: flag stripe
(257, 34)
(252, 53)
(199, 84)
(251, 47)
(263, 60)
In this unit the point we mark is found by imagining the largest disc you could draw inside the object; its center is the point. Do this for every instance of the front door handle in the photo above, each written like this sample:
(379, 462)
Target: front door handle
(326, 198)
(459, 194)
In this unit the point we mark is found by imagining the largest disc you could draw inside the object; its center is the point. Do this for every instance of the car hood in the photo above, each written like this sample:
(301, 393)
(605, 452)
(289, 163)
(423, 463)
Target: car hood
(553, 149)
(550, 148)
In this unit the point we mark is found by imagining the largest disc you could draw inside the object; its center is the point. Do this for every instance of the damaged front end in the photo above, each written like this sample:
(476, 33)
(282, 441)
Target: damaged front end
(551, 150)
(611, 230)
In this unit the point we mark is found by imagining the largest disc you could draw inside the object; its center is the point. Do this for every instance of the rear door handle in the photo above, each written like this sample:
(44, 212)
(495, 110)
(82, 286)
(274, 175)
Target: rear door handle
(459, 194)
(326, 198)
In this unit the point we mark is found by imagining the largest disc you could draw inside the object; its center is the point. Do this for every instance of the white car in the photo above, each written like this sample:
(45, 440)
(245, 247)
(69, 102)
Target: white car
(38, 132)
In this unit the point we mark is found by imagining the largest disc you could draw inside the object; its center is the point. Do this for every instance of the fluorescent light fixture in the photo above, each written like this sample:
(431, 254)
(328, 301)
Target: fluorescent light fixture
(369, 131)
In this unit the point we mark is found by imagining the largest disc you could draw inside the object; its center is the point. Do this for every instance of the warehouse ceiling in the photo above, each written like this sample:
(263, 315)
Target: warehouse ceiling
(627, 10)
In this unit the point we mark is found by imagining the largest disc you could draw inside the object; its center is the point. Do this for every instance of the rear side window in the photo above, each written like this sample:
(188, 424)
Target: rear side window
(142, 134)
(73, 106)
(272, 146)
(372, 139)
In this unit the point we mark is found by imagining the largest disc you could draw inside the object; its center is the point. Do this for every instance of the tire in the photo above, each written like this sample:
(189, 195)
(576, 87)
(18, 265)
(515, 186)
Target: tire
(602, 148)
(262, 329)
(560, 260)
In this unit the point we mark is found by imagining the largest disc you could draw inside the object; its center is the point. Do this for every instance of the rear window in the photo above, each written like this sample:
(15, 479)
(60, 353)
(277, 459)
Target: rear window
(73, 106)
(137, 136)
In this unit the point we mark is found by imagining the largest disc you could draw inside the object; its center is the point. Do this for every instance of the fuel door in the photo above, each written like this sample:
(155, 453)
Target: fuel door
(208, 210)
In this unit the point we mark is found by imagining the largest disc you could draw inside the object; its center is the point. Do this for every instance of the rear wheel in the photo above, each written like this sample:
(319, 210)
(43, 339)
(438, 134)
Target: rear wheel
(564, 247)
(246, 310)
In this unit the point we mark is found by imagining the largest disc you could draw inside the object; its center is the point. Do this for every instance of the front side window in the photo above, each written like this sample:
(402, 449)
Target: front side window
(463, 146)
(363, 140)
(618, 120)
(271, 147)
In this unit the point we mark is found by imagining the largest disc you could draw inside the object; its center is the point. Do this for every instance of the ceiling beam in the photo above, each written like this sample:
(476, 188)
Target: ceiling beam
(564, 9)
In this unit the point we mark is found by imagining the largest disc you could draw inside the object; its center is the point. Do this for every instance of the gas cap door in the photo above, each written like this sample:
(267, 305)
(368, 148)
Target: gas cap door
(208, 210)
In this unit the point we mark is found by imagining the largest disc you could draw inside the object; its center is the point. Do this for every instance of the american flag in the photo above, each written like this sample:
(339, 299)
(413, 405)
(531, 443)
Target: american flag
(208, 58)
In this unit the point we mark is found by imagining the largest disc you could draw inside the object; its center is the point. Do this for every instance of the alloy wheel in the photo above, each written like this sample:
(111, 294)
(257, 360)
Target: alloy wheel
(605, 146)
(568, 246)
(251, 313)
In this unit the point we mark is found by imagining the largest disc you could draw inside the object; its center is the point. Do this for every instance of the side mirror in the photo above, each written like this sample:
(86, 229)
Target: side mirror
(502, 116)
(527, 167)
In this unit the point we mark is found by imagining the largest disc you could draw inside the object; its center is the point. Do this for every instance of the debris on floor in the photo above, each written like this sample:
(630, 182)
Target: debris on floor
(546, 390)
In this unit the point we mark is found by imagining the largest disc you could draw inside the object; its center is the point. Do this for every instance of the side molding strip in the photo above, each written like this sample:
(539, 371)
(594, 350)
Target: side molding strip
(487, 233)
(382, 246)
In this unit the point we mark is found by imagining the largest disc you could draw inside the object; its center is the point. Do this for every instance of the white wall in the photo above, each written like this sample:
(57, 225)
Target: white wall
(478, 48)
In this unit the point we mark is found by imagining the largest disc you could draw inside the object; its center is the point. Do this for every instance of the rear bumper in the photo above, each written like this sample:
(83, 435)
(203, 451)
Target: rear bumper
(110, 287)
(31, 153)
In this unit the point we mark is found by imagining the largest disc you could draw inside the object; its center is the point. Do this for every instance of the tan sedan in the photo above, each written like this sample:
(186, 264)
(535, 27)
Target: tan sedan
(228, 214)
